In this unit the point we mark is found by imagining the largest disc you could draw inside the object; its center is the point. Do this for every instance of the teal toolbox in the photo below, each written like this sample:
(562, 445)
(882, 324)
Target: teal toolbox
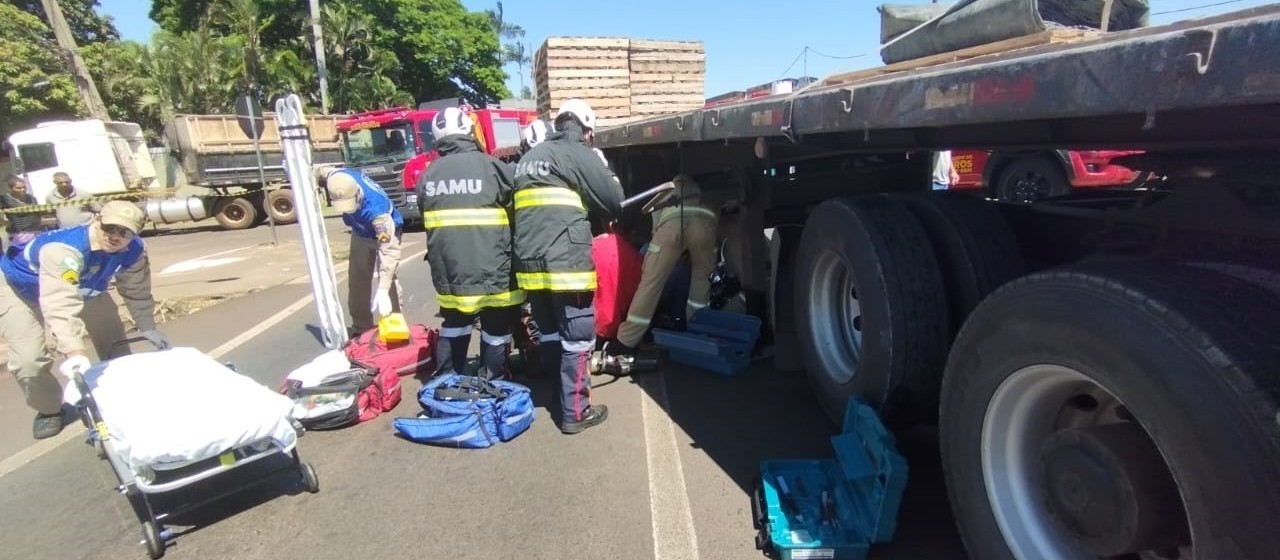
(832, 509)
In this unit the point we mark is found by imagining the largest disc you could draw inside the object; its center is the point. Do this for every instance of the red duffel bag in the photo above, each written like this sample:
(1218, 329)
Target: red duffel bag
(618, 269)
(388, 363)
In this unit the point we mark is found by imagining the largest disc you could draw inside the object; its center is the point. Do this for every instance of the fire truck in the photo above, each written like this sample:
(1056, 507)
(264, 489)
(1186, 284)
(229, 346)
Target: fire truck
(394, 146)
(1028, 176)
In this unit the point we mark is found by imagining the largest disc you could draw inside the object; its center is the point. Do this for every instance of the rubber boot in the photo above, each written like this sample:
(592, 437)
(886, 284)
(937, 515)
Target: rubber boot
(450, 349)
(496, 361)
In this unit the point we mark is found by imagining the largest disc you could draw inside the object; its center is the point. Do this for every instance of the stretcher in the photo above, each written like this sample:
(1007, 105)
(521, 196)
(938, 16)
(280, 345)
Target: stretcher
(167, 419)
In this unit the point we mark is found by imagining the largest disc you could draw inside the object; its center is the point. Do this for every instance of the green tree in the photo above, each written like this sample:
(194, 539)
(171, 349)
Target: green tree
(87, 25)
(34, 83)
(121, 71)
(517, 53)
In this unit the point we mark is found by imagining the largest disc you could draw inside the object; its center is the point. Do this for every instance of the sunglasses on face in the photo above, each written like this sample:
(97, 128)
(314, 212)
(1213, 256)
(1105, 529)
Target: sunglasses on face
(117, 231)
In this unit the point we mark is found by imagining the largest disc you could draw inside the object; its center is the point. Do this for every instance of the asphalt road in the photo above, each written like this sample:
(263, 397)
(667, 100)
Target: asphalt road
(667, 477)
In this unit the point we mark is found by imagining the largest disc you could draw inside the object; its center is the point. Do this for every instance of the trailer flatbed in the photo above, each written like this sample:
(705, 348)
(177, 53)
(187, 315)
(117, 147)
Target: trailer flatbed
(1151, 87)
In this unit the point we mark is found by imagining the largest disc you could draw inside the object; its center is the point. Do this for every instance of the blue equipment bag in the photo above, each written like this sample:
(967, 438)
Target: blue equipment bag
(468, 412)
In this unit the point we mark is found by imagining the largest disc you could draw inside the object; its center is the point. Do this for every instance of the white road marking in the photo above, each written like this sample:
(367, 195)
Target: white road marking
(674, 537)
(197, 264)
(77, 431)
(193, 264)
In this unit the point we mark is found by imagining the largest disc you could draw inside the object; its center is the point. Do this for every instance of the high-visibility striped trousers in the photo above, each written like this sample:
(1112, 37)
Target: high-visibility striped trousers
(567, 321)
(670, 240)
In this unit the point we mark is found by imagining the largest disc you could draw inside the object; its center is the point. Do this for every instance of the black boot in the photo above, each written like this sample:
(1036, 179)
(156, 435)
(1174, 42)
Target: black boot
(595, 416)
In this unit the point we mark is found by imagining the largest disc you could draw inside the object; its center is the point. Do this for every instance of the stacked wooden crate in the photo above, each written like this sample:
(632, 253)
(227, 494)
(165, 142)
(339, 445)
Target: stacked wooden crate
(666, 77)
(592, 68)
(623, 79)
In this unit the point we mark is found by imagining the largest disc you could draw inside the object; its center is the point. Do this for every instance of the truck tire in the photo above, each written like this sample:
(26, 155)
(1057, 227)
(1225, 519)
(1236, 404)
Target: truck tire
(974, 245)
(783, 247)
(236, 213)
(280, 206)
(1030, 179)
(1099, 411)
(871, 315)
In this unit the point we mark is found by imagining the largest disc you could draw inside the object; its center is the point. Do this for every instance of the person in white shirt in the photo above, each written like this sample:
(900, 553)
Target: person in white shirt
(944, 173)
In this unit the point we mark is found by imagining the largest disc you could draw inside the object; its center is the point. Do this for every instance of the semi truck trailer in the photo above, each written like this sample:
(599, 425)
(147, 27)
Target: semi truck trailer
(1102, 366)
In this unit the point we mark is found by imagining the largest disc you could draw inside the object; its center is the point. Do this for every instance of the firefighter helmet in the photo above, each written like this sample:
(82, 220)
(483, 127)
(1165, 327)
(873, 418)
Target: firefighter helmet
(450, 121)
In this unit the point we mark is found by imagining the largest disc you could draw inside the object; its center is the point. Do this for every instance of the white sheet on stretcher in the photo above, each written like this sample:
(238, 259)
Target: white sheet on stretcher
(175, 407)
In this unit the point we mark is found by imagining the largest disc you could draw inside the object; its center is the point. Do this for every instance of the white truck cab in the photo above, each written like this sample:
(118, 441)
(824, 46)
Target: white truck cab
(85, 151)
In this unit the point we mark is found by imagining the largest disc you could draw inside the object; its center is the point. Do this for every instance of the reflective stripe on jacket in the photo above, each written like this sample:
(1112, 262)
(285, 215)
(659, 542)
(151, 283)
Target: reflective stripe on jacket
(465, 198)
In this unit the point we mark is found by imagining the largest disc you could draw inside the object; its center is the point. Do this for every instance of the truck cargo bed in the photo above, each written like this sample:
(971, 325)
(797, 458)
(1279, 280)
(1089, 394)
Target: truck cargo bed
(1172, 85)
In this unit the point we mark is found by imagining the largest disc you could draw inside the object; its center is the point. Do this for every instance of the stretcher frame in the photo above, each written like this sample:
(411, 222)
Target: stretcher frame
(137, 488)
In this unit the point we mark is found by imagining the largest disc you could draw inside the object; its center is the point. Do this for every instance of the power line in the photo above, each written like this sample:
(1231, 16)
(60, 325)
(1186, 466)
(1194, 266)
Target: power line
(793, 63)
(1223, 3)
(834, 56)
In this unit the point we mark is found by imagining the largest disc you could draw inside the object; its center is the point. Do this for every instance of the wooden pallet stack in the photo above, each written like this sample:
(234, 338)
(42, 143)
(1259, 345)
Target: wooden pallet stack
(666, 77)
(623, 79)
(593, 68)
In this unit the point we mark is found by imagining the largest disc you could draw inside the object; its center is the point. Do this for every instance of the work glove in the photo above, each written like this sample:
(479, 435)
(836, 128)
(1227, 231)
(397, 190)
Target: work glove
(158, 339)
(73, 364)
(382, 303)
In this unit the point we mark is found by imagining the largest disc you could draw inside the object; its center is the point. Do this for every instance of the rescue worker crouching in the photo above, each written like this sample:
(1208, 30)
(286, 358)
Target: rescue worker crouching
(465, 199)
(63, 276)
(557, 183)
(374, 257)
(680, 223)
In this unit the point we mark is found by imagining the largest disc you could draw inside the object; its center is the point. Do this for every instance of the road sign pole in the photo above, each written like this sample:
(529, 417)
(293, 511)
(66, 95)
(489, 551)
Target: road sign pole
(249, 114)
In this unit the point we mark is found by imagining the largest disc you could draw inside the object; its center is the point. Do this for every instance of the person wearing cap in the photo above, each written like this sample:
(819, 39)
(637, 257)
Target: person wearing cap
(465, 198)
(560, 184)
(681, 223)
(63, 276)
(376, 230)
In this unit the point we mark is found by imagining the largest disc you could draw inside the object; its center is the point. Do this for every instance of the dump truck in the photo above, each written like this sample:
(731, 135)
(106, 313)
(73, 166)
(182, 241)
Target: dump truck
(214, 153)
(1102, 366)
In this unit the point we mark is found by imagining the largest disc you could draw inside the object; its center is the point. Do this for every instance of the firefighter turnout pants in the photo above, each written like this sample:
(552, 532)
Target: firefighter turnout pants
(696, 233)
(22, 330)
(495, 338)
(567, 321)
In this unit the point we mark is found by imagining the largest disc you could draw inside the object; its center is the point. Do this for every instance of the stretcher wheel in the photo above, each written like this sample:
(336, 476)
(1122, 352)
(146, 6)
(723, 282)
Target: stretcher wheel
(155, 546)
(99, 448)
(309, 478)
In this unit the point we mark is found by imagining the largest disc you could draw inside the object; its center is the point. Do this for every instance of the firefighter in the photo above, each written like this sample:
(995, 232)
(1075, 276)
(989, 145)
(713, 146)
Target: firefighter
(533, 135)
(63, 276)
(682, 223)
(465, 198)
(376, 230)
(558, 183)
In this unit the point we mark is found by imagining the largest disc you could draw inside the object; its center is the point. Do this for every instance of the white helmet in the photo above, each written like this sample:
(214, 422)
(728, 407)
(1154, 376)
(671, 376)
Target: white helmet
(535, 133)
(450, 121)
(579, 108)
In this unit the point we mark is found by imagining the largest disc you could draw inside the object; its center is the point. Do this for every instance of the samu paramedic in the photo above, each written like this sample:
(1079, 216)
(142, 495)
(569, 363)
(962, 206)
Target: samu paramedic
(63, 276)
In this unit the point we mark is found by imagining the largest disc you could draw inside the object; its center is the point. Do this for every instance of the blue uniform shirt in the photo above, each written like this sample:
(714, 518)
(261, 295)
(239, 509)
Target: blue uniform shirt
(95, 269)
(374, 203)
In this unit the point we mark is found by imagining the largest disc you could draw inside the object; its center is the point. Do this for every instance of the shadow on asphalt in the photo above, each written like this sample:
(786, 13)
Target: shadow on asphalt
(245, 488)
(762, 414)
(155, 232)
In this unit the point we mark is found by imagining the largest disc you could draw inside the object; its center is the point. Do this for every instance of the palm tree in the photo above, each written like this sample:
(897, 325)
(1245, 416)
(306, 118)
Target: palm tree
(517, 53)
(246, 22)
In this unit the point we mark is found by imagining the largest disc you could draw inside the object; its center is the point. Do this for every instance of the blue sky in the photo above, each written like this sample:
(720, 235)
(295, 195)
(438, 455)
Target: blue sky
(748, 42)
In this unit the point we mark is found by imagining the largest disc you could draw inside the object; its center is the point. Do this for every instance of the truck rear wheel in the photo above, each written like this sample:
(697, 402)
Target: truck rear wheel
(236, 213)
(280, 206)
(1030, 179)
(975, 248)
(871, 315)
(1098, 412)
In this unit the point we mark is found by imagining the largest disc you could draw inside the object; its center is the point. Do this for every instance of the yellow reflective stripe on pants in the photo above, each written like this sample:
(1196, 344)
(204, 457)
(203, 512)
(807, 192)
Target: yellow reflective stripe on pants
(557, 281)
(548, 196)
(465, 217)
(471, 304)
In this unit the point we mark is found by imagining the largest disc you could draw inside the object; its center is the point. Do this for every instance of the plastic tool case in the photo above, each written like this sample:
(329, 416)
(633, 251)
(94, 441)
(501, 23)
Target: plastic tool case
(716, 341)
(832, 509)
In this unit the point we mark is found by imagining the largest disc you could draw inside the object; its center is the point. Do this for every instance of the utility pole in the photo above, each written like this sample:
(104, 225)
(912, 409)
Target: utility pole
(324, 78)
(88, 90)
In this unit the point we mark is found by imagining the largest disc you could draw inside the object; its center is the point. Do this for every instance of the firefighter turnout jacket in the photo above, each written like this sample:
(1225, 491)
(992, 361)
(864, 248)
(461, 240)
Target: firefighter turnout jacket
(465, 198)
(558, 183)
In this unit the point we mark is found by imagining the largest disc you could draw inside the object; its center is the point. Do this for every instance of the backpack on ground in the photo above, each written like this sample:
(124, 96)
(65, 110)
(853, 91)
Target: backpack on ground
(387, 363)
(328, 393)
(468, 412)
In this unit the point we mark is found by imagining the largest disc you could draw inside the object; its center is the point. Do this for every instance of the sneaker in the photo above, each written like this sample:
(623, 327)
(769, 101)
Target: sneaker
(595, 416)
(48, 425)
